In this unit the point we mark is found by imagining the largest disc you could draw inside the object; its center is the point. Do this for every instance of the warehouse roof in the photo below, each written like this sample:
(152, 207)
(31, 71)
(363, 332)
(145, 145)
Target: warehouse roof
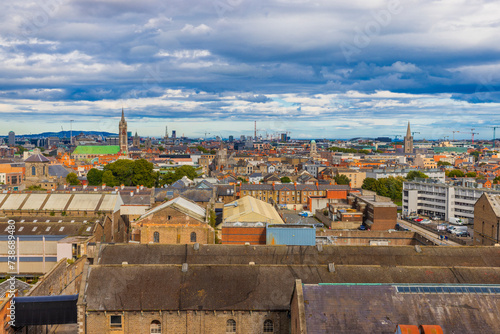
(244, 287)
(97, 149)
(358, 309)
(250, 209)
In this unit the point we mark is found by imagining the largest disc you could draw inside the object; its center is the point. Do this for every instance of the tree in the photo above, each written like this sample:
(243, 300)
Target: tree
(481, 177)
(416, 174)
(496, 180)
(179, 173)
(342, 179)
(94, 177)
(471, 174)
(143, 174)
(285, 179)
(122, 170)
(475, 154)
(109, 179)
(72, 179)
(370, 184)
(443, 163)
(455, 173)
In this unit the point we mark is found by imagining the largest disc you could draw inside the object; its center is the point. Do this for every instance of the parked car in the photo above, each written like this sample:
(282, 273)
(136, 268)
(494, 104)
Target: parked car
(418, 219)
(442, 227)
(425, 221)
(362, 227)
(436, 218)
(463, 234)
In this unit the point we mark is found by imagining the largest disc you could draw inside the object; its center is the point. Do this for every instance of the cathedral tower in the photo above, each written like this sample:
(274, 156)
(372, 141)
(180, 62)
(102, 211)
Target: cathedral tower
(123, 135)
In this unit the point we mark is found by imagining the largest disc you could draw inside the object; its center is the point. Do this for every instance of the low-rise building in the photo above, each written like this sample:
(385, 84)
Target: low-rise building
(487, 220)
(176, 221)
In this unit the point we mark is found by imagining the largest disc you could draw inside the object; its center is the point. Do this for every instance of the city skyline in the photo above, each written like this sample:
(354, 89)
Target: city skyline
(314, 68)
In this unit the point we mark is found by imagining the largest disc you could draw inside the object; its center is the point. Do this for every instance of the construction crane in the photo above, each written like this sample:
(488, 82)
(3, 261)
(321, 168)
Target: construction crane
(454, 134)
(473, 133)
(444, 137)
(494, 130)
(206, 133)
(413, 133)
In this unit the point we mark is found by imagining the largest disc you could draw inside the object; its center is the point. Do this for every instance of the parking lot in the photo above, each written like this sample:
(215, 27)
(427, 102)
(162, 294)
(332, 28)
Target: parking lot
(433, 227)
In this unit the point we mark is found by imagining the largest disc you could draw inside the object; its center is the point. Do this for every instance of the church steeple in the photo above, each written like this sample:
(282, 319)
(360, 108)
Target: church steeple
(123, 116)
(408, 141)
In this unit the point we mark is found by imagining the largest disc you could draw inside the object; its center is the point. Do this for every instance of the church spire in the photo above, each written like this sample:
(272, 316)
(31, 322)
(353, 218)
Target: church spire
(123, 116)
(408, 131)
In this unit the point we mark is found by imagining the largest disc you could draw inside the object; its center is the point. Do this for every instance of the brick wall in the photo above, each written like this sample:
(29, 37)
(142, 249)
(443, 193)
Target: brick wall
(188, 322)
(241, 235)
(486, 223)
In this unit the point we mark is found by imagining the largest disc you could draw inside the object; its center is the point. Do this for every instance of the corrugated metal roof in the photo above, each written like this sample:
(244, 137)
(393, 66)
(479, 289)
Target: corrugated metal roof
(250, 209)
(35, 201)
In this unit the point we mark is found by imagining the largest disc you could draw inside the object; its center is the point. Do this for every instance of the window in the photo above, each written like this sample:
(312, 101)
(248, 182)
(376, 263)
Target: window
(155, 327)
(231, 326)
(268, 326)
(193, 237)
(33, 170)
(115, 321)
(156, 237)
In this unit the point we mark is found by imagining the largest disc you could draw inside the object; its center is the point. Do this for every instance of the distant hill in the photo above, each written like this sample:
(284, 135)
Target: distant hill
(66, 134)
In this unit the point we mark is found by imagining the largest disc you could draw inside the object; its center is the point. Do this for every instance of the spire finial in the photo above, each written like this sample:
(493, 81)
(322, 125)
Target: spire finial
(123, 116)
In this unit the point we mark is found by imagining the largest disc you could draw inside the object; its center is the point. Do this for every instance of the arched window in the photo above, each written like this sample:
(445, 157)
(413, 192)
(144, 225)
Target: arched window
(231, 326)
(193, 237)
(33, 170)
(268, 326)
(155, 327)
(156, 237)
(43, 171)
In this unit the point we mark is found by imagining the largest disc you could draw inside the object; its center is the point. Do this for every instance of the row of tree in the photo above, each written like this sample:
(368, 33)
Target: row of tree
(391, 186)
(136, 172)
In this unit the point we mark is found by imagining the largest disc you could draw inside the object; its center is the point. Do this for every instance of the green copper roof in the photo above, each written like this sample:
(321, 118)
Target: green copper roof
(105, 149)
(449, 149)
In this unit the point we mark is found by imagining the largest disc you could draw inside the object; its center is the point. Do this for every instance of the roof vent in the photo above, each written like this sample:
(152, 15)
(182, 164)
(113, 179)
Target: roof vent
(124, 263)
(418, 249)
(247, 244)
(184, 267)
(196, 246)
(320, 247)
(251, 263)
(331, 267)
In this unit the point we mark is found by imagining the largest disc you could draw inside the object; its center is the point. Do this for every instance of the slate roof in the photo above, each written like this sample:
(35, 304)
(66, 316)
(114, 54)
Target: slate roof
(244, 287)
(386, 256)
(19, 285)
(377, 309)
(182, 204)
(37, 158)
(58, 171)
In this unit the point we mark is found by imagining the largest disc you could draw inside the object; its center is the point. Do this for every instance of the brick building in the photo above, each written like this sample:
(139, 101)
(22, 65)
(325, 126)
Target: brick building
(241, 289)
(379, 213)
(176, 221)
(293, 195)
(487, 220)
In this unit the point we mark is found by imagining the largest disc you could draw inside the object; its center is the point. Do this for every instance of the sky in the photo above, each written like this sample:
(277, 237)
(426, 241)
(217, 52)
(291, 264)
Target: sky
(318, 69)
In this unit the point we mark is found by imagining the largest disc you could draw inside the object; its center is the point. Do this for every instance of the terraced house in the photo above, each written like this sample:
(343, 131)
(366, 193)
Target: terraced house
(292, 195)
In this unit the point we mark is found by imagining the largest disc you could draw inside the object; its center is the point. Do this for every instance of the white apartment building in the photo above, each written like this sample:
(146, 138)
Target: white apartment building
(380, 173)
(443, 200)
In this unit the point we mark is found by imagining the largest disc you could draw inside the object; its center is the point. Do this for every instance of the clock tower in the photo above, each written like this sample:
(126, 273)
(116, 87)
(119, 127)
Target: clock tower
(123, 135)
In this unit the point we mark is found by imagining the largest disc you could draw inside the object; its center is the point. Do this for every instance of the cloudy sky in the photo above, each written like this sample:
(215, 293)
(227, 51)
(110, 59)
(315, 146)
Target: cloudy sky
(316, 68)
